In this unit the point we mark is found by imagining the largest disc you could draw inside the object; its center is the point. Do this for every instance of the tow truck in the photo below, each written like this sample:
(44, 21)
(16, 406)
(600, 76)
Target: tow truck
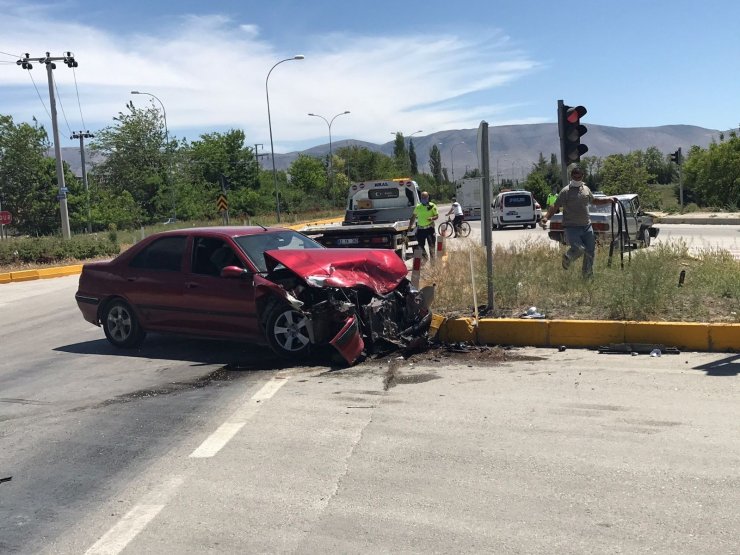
(377, 216)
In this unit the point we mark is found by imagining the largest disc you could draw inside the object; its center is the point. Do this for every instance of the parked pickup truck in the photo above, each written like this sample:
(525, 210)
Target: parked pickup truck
(636, 226)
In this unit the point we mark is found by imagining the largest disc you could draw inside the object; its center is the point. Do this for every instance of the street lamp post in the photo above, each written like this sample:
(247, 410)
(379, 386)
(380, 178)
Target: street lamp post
(452, 158)
(329, 123)
(169, 154)
(269, 124)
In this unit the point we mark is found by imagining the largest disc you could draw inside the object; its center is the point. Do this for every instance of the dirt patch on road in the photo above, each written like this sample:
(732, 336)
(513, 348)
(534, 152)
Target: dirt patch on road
(452, 354)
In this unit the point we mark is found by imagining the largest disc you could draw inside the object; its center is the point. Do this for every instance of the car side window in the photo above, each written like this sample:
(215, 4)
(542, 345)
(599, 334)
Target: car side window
(211, 255)
(163, 254)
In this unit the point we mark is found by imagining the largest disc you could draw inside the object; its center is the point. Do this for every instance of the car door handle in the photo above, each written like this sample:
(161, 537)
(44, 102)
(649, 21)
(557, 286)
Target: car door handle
(191, 285)
(131, 279)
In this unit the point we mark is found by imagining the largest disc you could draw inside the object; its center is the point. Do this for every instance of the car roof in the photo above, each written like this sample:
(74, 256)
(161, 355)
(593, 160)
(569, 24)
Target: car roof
(221, 231)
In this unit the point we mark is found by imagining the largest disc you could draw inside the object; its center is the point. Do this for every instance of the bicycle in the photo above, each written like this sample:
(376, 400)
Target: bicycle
(446, 229)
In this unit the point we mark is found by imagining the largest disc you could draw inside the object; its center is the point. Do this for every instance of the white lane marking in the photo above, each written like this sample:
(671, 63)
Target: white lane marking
(133, 522)
(218, 439)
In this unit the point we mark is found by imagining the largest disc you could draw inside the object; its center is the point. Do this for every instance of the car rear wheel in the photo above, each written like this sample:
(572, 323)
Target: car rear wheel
(287, 332)
(121, 326)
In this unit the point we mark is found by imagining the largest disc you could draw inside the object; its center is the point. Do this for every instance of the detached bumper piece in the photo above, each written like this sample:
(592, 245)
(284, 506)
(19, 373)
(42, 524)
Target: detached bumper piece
(348, 341)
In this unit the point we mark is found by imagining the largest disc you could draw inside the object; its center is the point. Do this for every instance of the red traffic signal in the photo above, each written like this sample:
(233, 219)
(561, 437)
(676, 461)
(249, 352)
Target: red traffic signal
(571, 132)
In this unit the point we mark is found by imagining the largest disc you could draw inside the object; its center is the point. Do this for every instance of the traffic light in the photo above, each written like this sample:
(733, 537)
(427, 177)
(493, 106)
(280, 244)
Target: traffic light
(676, 156)
(571, 132)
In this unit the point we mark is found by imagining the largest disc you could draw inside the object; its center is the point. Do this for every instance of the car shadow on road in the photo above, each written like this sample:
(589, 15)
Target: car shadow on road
(728, 366)
(201, 352)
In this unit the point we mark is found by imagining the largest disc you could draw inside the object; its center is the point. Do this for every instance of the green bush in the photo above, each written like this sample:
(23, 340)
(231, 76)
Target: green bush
(50, 250)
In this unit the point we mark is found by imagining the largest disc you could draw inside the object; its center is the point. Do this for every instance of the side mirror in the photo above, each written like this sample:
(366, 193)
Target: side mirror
(233, 272)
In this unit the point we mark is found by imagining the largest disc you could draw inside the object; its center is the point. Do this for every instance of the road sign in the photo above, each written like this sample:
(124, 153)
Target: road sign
(222, 204)
(5, 217)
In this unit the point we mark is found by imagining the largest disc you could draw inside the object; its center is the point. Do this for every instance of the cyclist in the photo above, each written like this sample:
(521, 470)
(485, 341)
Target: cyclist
(457, 210)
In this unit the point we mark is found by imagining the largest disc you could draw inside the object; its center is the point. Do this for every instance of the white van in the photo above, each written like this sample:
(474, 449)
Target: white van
(513, 208)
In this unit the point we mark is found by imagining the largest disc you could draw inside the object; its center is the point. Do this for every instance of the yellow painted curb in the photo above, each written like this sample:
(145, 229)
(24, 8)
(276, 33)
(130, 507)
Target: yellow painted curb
(512, 331)
(460, 329)
(24, 275)
(60, 271)
(5, 278)
(684, 335)
(585, 333)
(437, 322)
(327, 221)
(724, 337)
(693, 336)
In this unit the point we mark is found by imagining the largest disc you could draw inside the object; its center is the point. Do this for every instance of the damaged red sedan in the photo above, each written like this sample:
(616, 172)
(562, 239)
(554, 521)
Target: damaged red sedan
(269, 286)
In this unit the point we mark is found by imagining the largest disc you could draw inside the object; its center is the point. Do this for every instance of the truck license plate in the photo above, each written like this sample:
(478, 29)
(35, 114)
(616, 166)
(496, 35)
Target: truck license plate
(351, 241)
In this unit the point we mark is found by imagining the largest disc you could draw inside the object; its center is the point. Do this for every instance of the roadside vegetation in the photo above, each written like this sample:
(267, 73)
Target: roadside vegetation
(530, 274)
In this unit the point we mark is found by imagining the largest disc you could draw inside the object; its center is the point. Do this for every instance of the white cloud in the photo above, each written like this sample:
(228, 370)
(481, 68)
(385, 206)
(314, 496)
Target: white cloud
(210, 73)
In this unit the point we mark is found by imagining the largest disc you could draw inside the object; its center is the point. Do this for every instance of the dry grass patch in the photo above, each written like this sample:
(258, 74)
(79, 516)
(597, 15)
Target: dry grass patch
(530, 274)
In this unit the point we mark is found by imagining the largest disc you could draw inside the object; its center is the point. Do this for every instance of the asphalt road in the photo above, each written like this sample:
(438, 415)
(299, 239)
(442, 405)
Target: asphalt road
(163, 450)
(695, 237)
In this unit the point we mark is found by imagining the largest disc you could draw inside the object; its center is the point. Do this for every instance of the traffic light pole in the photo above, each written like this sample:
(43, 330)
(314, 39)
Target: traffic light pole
(561, 134)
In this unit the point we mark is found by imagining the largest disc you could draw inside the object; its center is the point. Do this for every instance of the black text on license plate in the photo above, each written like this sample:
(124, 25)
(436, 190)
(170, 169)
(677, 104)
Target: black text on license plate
(351, 241)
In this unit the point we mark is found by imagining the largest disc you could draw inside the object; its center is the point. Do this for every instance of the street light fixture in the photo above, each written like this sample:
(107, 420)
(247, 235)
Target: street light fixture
(269, 124)
(452, 158)
(329, 123)
(167, 142)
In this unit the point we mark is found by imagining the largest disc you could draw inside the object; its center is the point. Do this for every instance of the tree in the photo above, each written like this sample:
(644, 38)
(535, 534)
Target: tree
(435, 163)
(401, 156)
(217, 161)
(624, 173)
(712, 176)
(28, 179)
(135, 156)
(308, 181)
(364, 164)
(412, 158)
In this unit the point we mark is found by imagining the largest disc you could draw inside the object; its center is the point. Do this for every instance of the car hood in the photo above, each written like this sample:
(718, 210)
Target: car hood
(380, 270)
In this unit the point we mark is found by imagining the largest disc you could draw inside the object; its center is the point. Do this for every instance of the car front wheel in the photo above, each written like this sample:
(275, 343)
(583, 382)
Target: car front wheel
(646, 237)
(287, 332)
(121, 326)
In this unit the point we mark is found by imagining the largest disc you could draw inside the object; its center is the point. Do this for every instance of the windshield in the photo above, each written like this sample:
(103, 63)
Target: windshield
(254, 246)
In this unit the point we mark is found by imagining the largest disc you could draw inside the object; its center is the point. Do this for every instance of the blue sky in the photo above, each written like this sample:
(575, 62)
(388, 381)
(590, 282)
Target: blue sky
(403, 65)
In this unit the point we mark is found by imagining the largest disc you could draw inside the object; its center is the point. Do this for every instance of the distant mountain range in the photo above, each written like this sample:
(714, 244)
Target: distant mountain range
(514, 148)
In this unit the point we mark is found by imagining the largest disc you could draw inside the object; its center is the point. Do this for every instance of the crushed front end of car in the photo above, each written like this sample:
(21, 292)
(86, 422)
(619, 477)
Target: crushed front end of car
(359, 301)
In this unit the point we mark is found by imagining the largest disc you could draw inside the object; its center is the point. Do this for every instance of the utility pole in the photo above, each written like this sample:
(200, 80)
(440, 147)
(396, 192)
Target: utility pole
(258, 156)
(49, 60)
(82, 136)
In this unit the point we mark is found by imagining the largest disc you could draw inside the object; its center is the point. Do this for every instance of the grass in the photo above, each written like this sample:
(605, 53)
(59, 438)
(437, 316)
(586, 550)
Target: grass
(530, 274)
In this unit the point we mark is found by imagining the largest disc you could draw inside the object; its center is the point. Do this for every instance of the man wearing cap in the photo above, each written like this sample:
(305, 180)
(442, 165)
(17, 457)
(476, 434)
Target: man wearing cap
(575, 199)
(425, 213)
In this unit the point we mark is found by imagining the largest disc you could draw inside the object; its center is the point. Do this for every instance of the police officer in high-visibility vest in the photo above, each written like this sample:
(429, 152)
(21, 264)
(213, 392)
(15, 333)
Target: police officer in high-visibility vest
(551, 198)
(425, 214)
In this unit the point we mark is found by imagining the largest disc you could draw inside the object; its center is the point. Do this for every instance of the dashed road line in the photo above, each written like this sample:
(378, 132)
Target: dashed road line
(218, 439)
(133, 522)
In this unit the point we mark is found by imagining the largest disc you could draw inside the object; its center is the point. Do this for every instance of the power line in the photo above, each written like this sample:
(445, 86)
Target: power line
(74, 73)
(59, 96)
(16, 56)
(38, 93)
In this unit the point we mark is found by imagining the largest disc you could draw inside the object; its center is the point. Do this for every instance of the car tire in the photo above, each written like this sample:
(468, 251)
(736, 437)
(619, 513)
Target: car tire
(121, 326)
(286, 330)
(645, 237)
